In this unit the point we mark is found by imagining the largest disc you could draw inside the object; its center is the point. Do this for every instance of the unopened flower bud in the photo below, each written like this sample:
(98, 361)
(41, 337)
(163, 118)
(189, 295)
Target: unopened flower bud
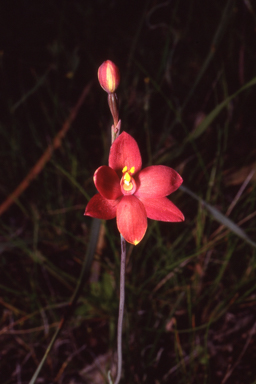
(109, 77)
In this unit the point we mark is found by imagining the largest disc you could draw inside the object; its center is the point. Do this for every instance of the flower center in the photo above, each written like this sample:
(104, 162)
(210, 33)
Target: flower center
(128, 185)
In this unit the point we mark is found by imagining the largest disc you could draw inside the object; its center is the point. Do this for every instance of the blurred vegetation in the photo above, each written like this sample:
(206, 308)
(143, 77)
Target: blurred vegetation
(190, 287)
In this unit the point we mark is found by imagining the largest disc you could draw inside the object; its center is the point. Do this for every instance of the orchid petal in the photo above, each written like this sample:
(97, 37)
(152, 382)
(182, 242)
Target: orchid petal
(131, 219)
(124, 152)
(101, 208)
(107, 183)
(161, 209)
(157, 181)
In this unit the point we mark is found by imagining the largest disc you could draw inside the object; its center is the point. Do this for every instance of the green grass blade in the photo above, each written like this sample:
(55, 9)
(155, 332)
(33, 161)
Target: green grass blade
(218, 216)
(215, 42)
(83, 277)
(213, 114)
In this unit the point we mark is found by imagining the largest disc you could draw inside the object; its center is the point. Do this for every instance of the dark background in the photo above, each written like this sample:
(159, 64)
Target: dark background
(178, 60)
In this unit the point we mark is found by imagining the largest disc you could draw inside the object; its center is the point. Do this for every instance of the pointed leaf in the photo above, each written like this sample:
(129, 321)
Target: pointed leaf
(218, 216)
(213, 114)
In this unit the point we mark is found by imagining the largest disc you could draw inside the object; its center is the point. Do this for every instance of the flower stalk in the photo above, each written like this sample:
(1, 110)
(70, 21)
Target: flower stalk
(121, 310)
(113, 106)
(108, 75)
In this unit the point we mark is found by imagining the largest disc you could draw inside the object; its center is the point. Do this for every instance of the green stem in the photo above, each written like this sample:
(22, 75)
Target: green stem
(121, 310)
(115, 131)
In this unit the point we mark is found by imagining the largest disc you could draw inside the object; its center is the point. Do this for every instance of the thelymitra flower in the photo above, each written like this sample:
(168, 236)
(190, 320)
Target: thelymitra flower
(132, 194)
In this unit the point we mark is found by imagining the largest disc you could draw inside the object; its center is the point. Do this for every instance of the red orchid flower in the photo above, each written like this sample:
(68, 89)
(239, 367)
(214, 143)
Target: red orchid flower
(132, 194)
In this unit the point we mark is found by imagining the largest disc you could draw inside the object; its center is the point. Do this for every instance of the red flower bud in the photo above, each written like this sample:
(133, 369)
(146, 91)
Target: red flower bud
(109, 77)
